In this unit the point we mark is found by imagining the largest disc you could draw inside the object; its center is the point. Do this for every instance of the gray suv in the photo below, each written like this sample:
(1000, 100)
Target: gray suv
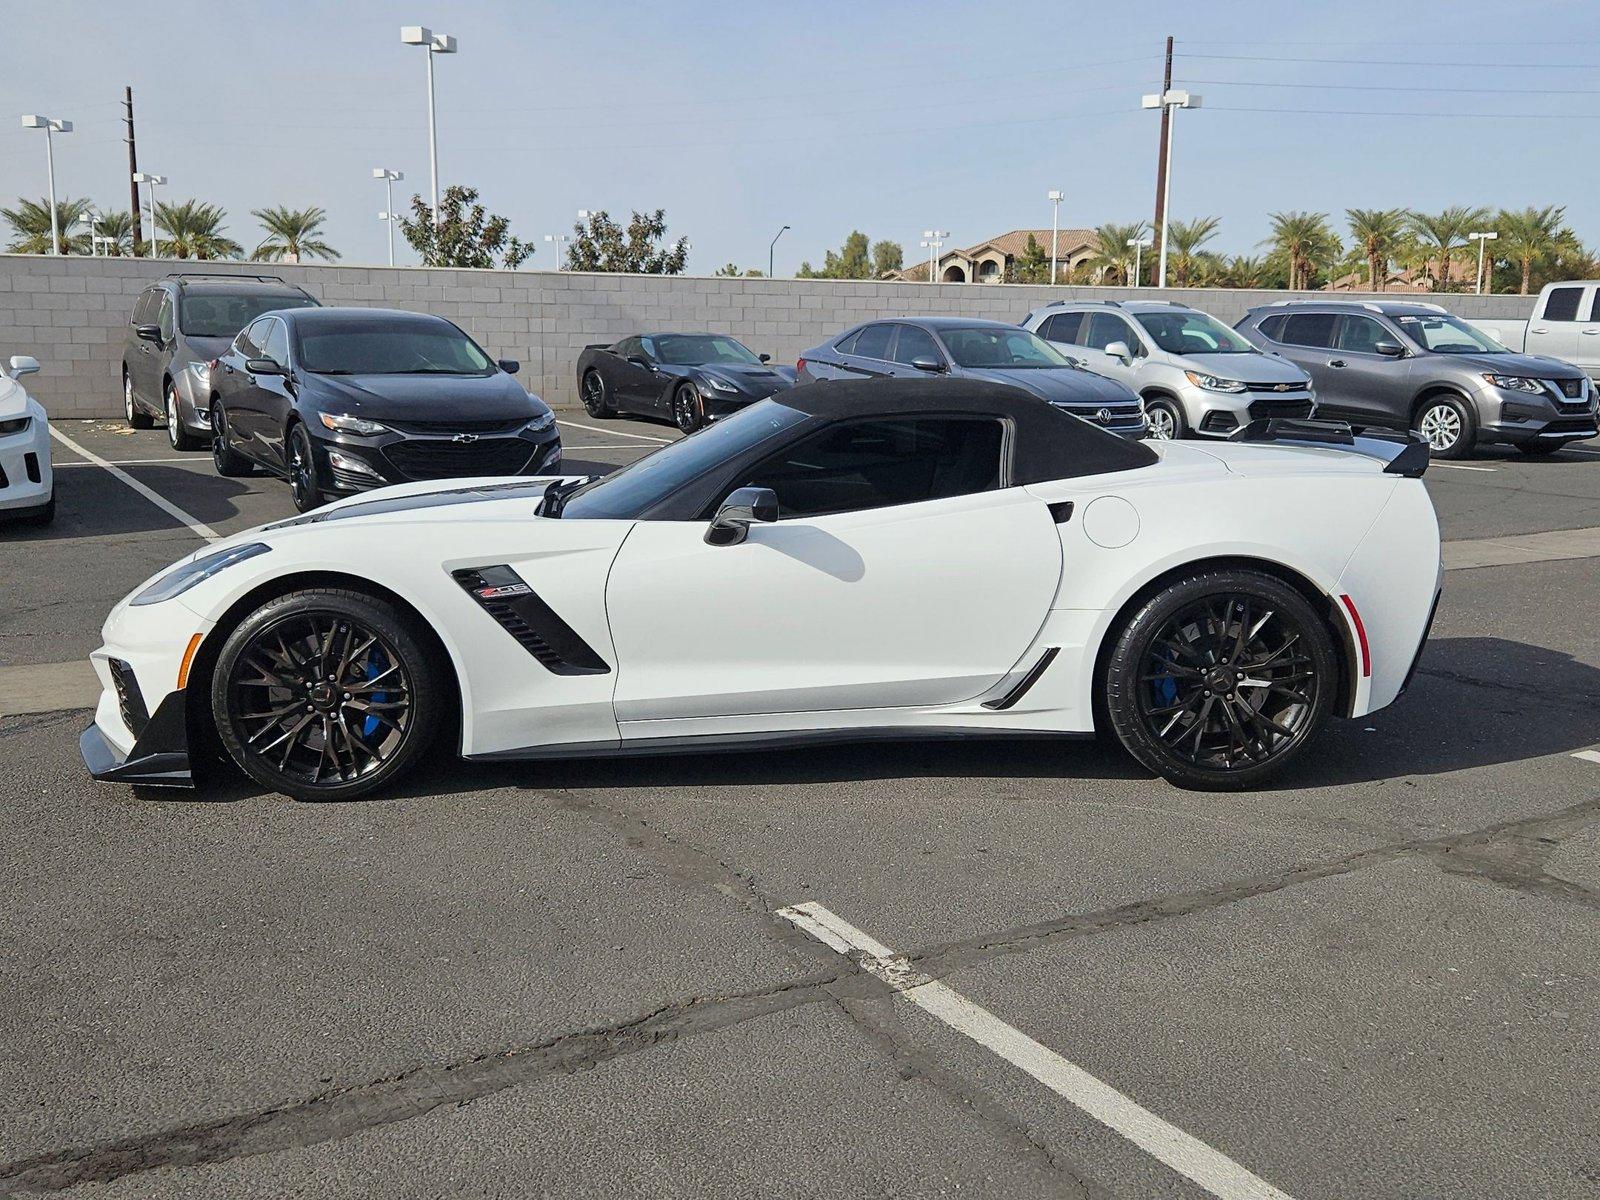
(179, 325)
(1410, 365)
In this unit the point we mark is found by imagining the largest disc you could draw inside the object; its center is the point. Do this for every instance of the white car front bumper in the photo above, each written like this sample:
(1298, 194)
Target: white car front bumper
(26, 478)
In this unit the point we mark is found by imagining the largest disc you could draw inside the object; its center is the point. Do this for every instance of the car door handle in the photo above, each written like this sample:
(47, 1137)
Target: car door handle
(1336, 362)
(1541, 329)
(1592, 330)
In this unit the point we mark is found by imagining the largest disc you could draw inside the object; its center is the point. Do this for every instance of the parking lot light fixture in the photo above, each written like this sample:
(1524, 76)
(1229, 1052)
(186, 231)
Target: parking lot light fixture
(1055, 198)
(388, 215)
(935, 240)
(51, 127)
(559, 240)
(146, 177)
(1169, 100)
(1481, 238)
(1138, 246)
(771, 247)
(434, 43)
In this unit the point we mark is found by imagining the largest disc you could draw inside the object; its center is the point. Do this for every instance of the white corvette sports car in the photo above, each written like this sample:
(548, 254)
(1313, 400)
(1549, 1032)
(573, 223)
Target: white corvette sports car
(889, 559)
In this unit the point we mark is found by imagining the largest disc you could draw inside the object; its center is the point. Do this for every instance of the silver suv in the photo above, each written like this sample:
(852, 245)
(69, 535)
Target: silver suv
(1196, 375)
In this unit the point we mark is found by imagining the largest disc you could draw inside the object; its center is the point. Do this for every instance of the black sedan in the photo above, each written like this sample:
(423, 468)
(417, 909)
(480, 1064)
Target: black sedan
(689, 378)
(339, 400)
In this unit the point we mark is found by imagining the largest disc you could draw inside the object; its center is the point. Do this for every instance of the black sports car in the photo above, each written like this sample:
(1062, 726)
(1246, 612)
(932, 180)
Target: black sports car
(339, 400)
(689, 378)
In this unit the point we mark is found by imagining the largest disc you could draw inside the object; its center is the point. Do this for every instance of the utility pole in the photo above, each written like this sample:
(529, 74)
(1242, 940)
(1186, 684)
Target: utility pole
(1159, 233)
(133, 169)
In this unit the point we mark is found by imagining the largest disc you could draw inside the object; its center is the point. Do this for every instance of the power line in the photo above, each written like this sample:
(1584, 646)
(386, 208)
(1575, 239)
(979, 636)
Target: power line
(1384, 87)
(1368, 112)
(1399, 62)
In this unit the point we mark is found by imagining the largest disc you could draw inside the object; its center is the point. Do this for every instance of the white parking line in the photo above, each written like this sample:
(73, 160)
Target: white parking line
(1459, 467)
(612, 432)
(1186, 1155)
(1588, 755)
(194, 523)
(133, 462)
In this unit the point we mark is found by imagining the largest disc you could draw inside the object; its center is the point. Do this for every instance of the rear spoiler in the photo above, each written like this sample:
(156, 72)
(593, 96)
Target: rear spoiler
(1401, 453)
(598, 345)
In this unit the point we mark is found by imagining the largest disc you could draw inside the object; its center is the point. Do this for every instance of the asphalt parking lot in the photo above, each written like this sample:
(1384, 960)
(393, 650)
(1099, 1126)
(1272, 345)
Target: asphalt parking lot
(710, 975)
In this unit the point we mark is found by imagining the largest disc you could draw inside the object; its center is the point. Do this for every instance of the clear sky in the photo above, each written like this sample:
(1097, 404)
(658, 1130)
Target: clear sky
(889, 117)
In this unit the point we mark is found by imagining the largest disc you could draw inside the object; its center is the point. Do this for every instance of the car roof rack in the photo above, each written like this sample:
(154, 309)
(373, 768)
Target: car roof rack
(1063, 303)
(182, 275)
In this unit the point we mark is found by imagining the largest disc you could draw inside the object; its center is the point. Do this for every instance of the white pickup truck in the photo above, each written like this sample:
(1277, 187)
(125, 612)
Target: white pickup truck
(1565, 325)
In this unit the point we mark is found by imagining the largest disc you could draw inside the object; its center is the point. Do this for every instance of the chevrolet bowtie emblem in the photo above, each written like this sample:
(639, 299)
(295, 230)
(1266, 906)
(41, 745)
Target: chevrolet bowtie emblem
(466, 439)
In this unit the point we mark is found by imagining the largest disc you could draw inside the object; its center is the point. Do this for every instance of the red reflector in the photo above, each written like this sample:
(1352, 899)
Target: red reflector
(1361, 637)
(799, 364)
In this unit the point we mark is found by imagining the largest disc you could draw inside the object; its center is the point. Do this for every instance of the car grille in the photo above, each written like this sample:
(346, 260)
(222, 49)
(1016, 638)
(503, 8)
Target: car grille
(1581, 426)
(1574, 408)
(1570, 388)
(1298, 407)
(1124, 419)
(442, 459)
(446, 428)
(1276, 388)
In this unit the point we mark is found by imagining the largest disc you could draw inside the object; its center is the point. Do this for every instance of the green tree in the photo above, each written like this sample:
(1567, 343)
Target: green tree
(1242, 271)
(1299, 240)
(734, 271)
(118, 226)
(1444, 233)
(604, 245)
(193, 229)
(1031, 266)
(293, 235)
(1110, 254)
(30, 226)
(887, 258)
(1377, 233)
(466, 235)
(1184, 240)
(1528, 238)
(853, 261)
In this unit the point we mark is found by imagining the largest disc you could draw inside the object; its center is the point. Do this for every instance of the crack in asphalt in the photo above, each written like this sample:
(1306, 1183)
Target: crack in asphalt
(1579, 701)
(1508, 854)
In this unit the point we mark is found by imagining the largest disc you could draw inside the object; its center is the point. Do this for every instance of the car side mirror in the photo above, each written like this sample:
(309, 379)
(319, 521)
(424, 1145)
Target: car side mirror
(509, 365)
(931, 365)
(23, 364)
(743, 508)
(764, 357)
(1119, 350)
(264, 366)
(149, 333)
(1389, 349)
(640, 360)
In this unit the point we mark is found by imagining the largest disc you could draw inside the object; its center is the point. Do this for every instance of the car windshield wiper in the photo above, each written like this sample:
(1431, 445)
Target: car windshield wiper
(555, 497)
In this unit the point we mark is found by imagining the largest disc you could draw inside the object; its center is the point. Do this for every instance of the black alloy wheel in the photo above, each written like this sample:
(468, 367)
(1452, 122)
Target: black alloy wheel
(1221, 679)
(596, 396)
(228, 461)
(305, 482)
(177, 435)
(688, 409)
(325, 695)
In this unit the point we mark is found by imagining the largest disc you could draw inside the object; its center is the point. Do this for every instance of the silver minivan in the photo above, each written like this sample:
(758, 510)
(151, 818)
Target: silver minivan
(1196, 375)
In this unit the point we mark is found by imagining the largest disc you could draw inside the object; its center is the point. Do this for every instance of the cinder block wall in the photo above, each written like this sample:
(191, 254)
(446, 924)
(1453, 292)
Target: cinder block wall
(71, 313)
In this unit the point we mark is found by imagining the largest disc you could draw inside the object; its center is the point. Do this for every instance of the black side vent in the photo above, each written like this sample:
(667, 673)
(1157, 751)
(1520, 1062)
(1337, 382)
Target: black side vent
(506, 597)
(1001, 703)
(130, 700)
(1061, 511)
(30, 463)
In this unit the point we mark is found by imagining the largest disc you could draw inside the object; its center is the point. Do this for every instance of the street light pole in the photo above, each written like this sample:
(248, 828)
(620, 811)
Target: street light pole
(1055, 199)
(1138, 245)
(152, 180)
(1481, 238)
(558, 239)
(51, 127)
(435, 43)
(1168, 101)
(935, 239)
(770, 248)
(389, 179)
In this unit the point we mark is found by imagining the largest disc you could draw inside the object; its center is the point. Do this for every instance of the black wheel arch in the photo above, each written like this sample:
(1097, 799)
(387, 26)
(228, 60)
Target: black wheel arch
(1434, 390)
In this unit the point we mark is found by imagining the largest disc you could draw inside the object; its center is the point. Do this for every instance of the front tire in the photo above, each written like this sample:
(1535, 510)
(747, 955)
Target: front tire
(180, 438)
(325, 695)
(688, 409)
(1167, 422)
(137, 418)
(1221, 679)
(228, 461)
(1448, 425)
(305, 482)
(597, 396)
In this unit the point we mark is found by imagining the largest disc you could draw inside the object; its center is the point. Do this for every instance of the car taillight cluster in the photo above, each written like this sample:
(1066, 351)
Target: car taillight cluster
(799, 364)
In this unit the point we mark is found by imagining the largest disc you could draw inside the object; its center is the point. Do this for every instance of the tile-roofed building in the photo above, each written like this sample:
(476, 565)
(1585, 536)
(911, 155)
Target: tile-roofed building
(987, 261)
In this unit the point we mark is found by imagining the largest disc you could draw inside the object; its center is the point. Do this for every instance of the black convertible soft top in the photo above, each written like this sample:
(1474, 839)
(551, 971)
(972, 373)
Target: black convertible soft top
(1048, 443)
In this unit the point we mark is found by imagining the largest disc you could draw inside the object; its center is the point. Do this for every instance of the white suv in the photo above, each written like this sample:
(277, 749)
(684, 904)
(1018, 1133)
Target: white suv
(1196, 375)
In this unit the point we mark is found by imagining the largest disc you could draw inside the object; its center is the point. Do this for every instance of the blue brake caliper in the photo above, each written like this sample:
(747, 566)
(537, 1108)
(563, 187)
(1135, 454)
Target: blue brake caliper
(369, 726)
(1164, 685)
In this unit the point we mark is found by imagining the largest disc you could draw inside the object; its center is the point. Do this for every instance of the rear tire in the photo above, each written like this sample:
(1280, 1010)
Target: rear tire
(1167, 422)
(293, 729)
(137, 418)
(1448, 425)
(228, 461)
(597, 396)
(1221, 679)
(180, 437)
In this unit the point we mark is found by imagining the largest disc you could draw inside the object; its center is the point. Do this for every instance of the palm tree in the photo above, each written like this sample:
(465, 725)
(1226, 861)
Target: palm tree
(1110, 253)
(1241, 271)
(30, 226)
(1300, 239)
(1378, 232)
(1184, 239)
(293, 235)
(1529, 236)
(193, 229)
(1444, 233)
(118, 226)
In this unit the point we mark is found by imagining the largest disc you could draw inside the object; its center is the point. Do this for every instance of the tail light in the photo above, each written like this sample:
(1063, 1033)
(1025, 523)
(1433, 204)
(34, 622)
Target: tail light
(799, 364)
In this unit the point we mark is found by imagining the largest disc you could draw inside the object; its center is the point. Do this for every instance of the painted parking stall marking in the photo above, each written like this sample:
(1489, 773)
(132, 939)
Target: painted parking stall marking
(194, 523)
(1588, 755)
(614, 432)
(1186, 1155)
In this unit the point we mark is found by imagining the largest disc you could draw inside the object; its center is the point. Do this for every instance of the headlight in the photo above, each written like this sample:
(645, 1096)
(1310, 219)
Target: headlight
(15, 425)
(720, 385)
(181, 579)
(344, 423)
(1212, 383)
(1516, 383)
(539, 424)
(201, 370)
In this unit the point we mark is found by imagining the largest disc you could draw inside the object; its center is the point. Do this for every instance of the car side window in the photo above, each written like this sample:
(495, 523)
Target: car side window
(165, 319)
(647, 347)
(1594, 306)
(1562, 304)
(1063, 327)
(1310, 329)
(246, 343)
(1361, 335)
(873, 341)
(1101, 329)
(276, 345)
(847, 345)
(913, 343)
(144, 308)
(878, 463)
(1272, 327)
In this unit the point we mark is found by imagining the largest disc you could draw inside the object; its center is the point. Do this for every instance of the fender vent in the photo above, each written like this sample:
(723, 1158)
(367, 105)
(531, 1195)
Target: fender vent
(130, 700)
(506, 597)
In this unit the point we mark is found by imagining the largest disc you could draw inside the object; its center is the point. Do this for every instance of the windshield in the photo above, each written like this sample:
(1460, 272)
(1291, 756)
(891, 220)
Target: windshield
(1008, 349)
(695, 349)
(1445, 334)
(638, 487)
(1192, 333)
(390, 346)
(214, 316)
